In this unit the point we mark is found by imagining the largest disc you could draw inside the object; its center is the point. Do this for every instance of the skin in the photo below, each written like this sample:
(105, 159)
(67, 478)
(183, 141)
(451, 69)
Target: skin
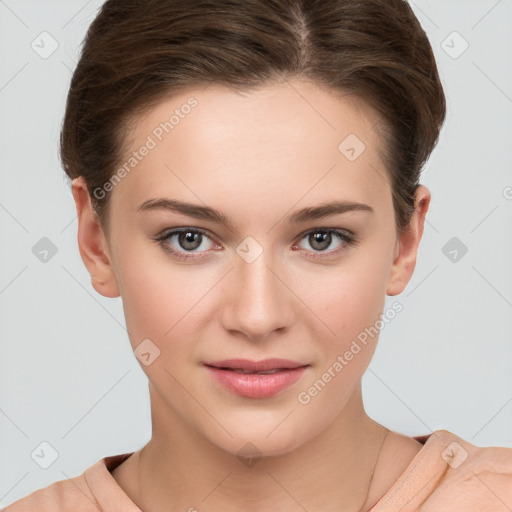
(257, 157)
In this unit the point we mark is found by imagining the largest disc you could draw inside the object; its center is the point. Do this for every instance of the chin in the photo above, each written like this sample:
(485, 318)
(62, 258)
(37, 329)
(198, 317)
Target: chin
(254, 443)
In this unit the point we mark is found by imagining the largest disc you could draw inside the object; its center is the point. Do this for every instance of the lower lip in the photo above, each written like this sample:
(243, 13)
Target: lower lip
(255, 385)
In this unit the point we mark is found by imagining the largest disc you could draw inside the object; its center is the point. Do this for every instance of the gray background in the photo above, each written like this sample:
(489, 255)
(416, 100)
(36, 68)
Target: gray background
(68, 375)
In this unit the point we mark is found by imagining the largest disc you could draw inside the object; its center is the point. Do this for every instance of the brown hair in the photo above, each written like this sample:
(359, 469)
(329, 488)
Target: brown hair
(137, 52)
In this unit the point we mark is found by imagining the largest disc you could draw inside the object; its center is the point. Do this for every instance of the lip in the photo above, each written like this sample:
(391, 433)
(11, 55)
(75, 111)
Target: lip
(255, 366)
(253, 385)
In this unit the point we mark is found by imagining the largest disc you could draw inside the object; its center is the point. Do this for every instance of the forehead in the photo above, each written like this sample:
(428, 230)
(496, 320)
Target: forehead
(280, 142)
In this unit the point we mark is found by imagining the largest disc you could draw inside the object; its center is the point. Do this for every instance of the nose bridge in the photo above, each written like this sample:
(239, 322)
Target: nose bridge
(259, 300)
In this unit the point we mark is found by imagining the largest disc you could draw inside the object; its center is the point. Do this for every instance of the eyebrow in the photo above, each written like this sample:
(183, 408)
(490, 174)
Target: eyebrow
(210, 214)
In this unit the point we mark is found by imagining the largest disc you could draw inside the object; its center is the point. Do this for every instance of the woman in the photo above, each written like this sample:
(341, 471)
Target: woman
(246, 178)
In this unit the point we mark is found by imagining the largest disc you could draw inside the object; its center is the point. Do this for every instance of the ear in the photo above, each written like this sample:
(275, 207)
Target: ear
(407, 244)
(92, 242)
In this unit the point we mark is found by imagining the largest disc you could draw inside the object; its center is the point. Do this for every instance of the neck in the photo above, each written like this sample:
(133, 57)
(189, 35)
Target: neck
(179, 469)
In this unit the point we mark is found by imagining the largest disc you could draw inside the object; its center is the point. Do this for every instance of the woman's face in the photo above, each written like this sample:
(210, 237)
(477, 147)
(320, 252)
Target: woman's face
(272, 279)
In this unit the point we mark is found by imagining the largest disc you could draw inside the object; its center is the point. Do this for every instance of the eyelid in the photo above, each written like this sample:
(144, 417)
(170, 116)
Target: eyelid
(168, 233)
(345, 236)
(327, 229)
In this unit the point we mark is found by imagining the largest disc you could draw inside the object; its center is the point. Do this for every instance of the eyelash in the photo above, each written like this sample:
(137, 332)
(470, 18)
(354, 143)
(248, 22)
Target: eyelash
(348, 238)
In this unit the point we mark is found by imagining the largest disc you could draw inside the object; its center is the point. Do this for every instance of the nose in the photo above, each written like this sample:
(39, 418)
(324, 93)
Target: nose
(257, 299)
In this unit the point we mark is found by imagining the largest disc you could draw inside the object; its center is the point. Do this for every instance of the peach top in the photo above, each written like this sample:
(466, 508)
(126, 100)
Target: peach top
(447, 474)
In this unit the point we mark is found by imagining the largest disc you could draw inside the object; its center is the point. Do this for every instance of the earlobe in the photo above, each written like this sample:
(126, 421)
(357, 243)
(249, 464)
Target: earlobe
(407, 245)
(92, 243)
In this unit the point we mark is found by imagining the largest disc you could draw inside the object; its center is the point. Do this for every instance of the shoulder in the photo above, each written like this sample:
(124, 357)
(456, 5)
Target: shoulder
(72, 494)
(95, 489)
(475, 477)
(69, 494)
(449, 473)
(458, 453)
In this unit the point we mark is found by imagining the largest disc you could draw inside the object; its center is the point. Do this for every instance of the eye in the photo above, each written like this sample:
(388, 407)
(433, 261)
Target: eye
(194, 243)
(179, 242)
(321, 239)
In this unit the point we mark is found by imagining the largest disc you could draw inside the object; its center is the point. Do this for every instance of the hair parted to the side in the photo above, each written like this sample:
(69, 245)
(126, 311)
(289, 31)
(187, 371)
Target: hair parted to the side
(137, 52)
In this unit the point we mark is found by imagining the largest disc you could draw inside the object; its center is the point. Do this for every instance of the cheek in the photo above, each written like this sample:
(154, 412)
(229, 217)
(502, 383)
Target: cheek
(352, 297)
(161, 300)
(351, 304)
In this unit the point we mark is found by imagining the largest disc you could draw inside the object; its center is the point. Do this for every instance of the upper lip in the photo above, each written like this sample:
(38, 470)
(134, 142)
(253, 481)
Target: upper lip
(255, 366)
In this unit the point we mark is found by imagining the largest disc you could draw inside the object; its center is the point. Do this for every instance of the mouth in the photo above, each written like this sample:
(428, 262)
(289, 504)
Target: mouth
(256, 379)
(265, 367)
(249, 372)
